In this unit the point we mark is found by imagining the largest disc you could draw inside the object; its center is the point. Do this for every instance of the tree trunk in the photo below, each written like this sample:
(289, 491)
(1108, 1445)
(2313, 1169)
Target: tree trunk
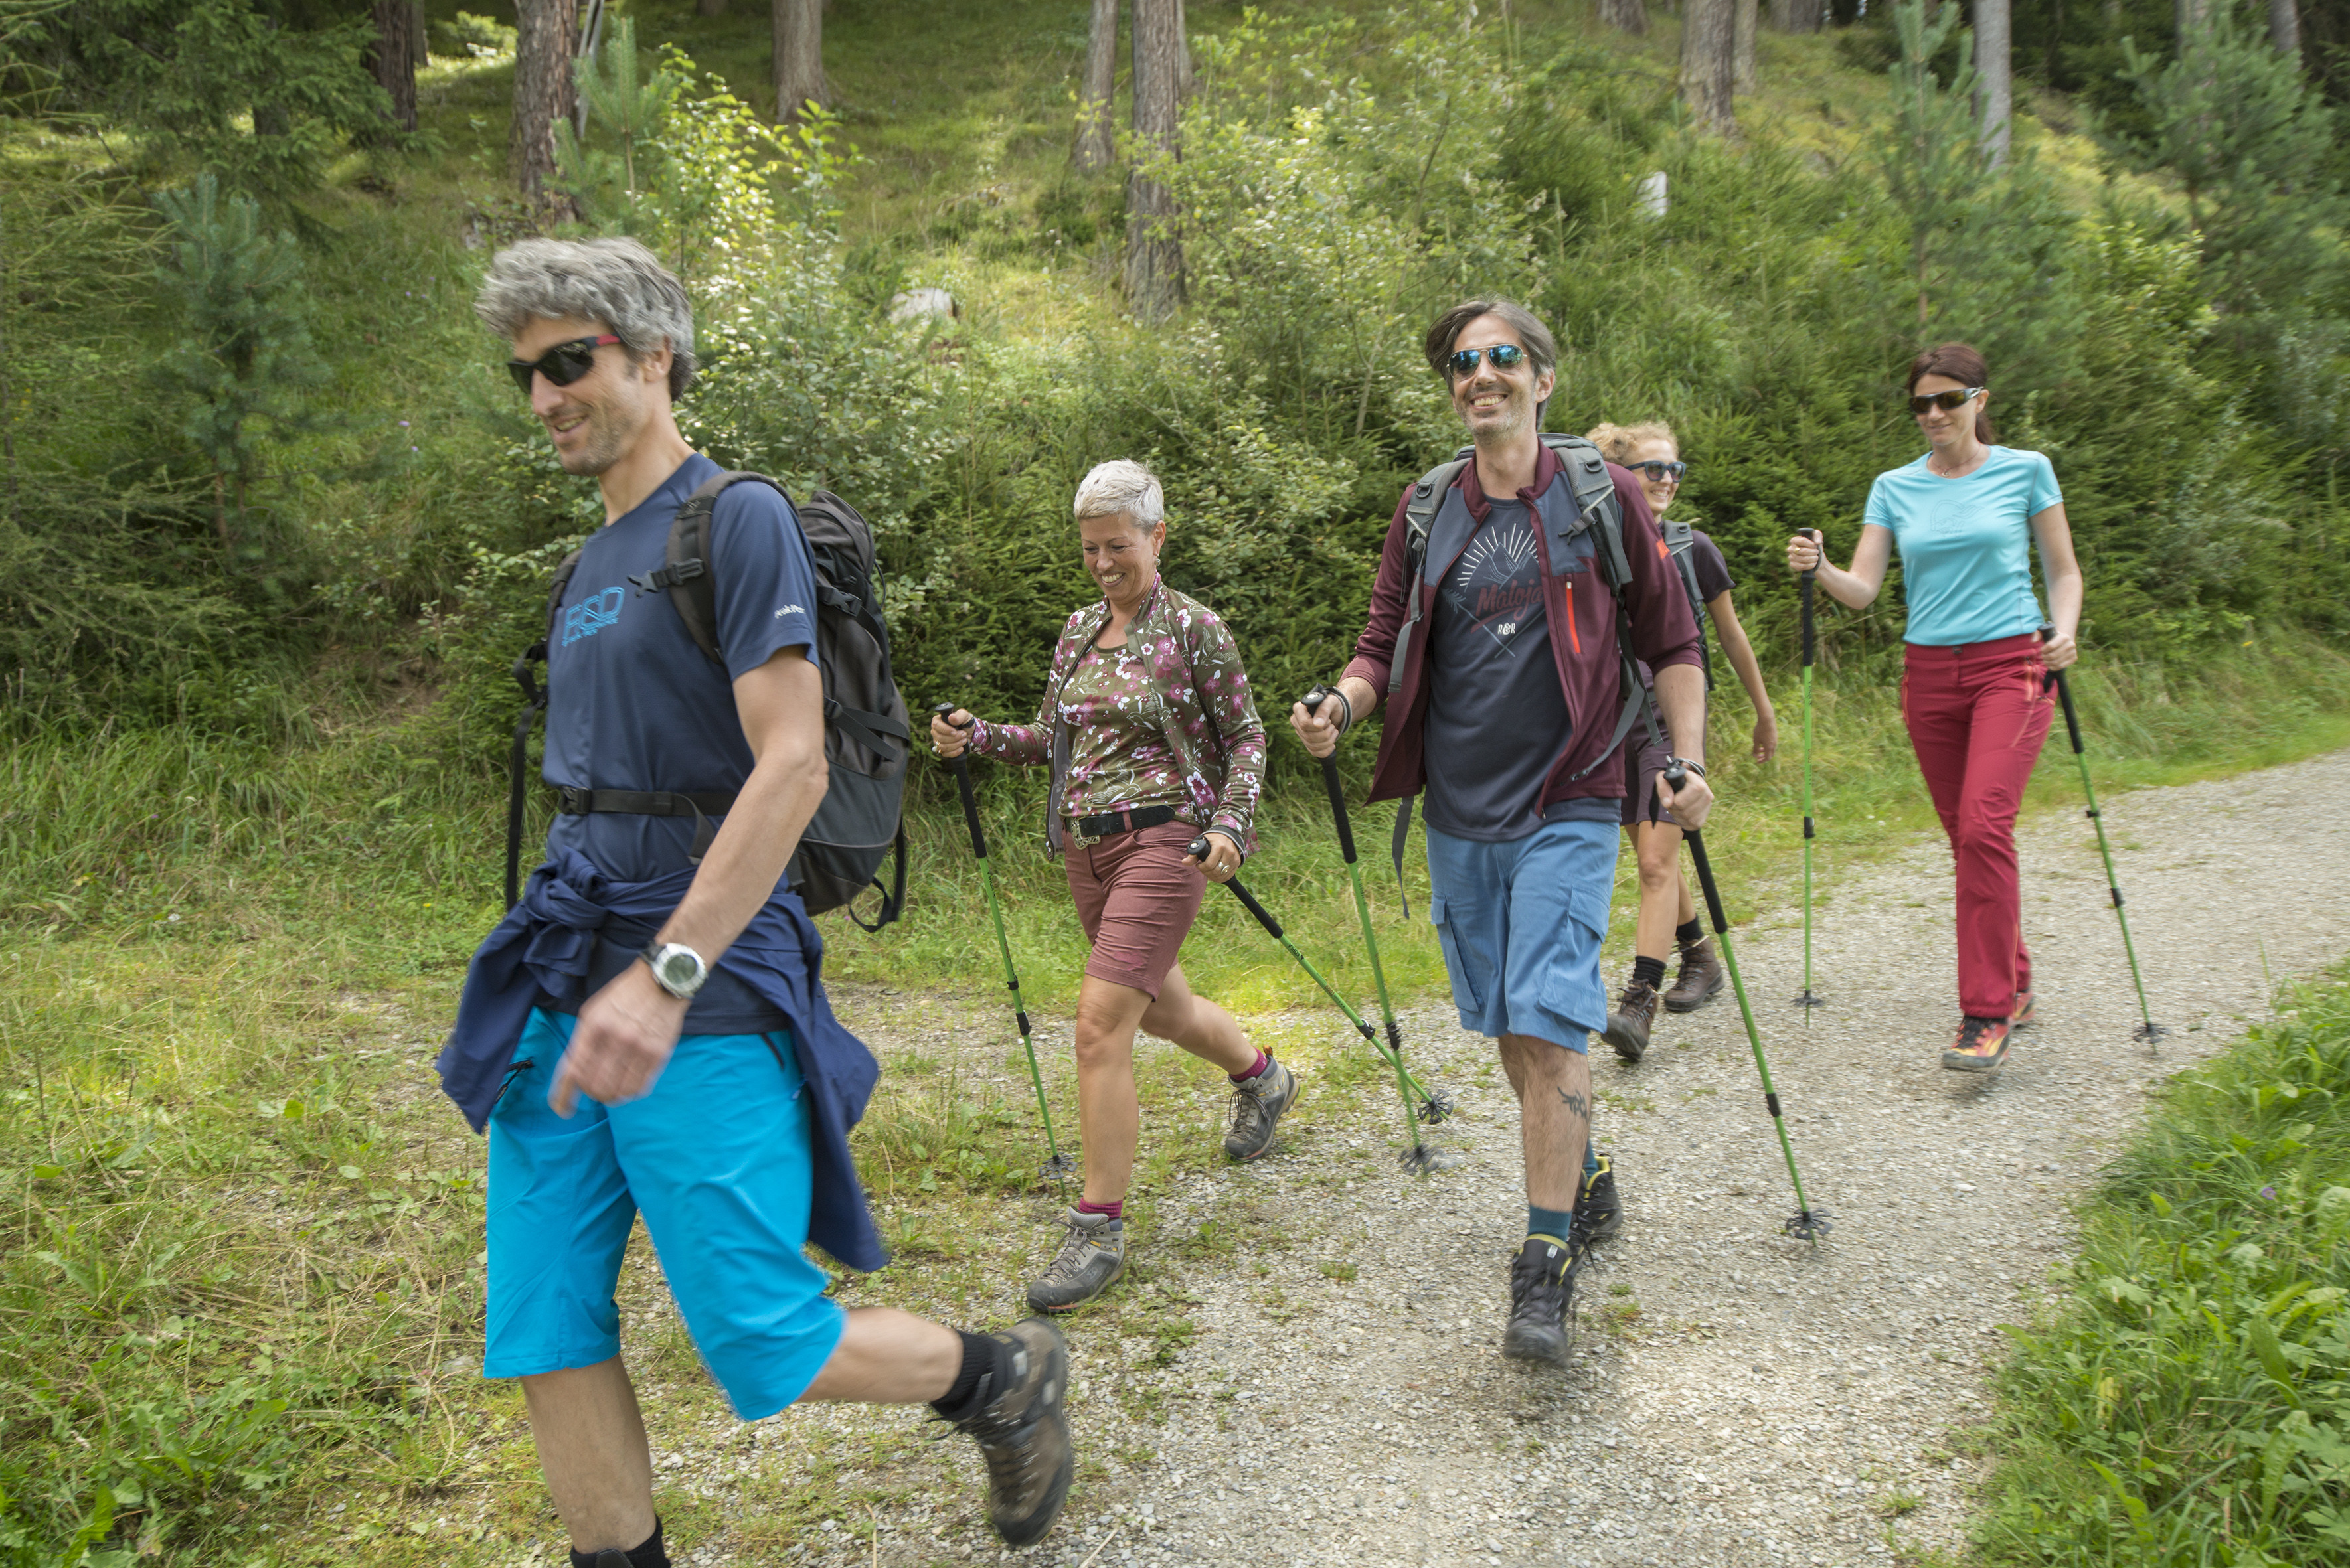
(1096, 137)
(392, 58)
(1742, 53)
(2190, 16)
(1625, 16)
(1154, 249)
(1709, 40)
(545, 33)
(799, 57)
(1183, 82)
(2284, 27)
(1797, 15)
(1994, 79)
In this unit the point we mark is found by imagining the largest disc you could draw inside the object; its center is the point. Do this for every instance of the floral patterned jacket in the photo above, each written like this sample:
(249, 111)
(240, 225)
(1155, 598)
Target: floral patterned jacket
(1213, 726)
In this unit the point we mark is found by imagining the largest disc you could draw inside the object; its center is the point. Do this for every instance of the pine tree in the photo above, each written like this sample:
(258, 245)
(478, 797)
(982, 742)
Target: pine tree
(1934, 165)
(628, 108)
(243, 359)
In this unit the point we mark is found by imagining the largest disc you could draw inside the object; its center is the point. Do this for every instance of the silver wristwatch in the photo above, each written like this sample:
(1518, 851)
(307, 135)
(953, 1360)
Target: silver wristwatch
(677, 969)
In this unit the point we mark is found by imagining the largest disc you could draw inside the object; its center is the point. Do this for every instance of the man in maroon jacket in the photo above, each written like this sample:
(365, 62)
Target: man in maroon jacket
(1504, 711)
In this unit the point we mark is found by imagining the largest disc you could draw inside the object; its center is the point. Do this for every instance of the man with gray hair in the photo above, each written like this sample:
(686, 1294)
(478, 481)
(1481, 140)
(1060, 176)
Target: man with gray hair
(647, 1030)
(1494, 639)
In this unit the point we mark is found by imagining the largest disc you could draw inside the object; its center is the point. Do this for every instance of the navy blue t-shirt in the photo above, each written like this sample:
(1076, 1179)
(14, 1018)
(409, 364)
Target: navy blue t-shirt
(634, 704)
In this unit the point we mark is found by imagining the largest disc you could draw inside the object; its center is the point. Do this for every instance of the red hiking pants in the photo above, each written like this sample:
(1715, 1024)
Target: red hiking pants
(1977, 715)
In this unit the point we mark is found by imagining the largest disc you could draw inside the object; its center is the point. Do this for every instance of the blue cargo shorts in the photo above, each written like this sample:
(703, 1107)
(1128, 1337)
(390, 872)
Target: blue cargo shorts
(717, 1157)
(1521, 923)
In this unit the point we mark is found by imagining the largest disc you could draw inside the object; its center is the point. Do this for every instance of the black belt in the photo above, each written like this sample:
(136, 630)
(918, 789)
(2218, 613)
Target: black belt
(573, 801)
(1109, 825)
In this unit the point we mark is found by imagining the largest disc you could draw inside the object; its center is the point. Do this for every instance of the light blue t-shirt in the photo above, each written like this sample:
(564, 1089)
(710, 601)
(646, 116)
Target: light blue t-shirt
(1966, 544)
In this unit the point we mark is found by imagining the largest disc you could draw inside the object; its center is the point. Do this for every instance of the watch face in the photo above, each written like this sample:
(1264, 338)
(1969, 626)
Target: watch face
(678, 968)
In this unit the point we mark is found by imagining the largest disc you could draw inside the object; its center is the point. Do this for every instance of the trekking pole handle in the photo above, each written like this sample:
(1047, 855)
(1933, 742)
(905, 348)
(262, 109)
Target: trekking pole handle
(2064, 693)
(1676, 776)
(962, 761)
(1313, 702)
(1806, 585)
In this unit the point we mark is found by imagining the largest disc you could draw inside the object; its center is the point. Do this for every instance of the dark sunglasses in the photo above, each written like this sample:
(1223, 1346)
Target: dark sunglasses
(1946, 402)
(1659, 472)
(1504, 356)
(561, 365)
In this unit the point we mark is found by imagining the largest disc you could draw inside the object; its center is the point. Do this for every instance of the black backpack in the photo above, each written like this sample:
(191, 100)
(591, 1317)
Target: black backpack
(1680, 538)
(867, 738)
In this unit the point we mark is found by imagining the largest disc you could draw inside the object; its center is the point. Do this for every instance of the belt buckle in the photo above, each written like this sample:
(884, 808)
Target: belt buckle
(568, 799)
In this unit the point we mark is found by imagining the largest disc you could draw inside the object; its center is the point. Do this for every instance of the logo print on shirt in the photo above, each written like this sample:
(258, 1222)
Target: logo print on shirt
(1497, 583)
(591, 615)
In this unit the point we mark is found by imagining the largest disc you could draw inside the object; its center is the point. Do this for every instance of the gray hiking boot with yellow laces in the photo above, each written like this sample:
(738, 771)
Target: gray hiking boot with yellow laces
(1090, 1260)
(1257, 1105)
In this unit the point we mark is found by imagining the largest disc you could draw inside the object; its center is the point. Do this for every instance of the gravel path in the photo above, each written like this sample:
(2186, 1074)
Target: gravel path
(1736, 1397)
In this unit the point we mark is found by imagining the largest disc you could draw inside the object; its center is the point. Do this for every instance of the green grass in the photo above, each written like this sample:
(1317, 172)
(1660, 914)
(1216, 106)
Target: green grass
(2186, 1403)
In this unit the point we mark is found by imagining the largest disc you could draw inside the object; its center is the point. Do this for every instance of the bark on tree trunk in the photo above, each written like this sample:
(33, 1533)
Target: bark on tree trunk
(1625, 16)
(799, 57)
(1994, 78)
(1183, 82)
(1742, 51)
(393, 57)
(1797, 15)
(1154, 250)
(1097, 139)
(1708, 38)
(544, 32)
(2284, 27)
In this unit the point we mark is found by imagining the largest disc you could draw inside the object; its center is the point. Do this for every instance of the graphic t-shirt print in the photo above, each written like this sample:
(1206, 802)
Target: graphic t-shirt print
(1496, 585)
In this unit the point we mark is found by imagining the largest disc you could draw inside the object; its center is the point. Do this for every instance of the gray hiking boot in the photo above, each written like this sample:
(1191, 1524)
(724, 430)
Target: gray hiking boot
(1024, 1434)
(1089, 1262)
(1257, 1105)
(1541, 1302)
(1701, 975)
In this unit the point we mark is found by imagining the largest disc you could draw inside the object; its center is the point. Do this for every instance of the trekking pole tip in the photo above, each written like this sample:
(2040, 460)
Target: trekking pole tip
(2150, 1031)
(1436, 1106)
(1809, 1225)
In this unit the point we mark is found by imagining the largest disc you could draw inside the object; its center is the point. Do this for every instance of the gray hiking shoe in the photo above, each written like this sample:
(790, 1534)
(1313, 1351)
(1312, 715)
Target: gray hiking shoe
(1024, 1434)
(1541, 1302)
(1089, 1262)
(1257, 1105)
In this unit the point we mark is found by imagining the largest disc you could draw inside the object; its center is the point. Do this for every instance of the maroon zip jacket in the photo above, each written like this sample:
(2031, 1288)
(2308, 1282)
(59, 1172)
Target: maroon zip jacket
(1664, 633)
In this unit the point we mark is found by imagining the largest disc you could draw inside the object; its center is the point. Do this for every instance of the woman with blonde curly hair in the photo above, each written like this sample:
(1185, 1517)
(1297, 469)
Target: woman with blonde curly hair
(1668, 913)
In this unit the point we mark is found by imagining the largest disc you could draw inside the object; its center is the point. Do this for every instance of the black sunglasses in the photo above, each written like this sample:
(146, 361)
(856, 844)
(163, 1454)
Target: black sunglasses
(1946, 402)
(1504, 356)
(1659, 472)
(561, 365)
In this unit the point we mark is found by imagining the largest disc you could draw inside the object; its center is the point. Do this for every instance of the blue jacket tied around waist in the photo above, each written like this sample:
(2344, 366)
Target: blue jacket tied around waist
(541, 952)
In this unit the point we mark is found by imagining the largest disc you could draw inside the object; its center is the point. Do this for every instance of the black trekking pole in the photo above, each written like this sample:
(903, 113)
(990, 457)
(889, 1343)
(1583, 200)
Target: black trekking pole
(1809, 1224)
(1198, 851)
(1804, 588)
(1432, 1109)
(2148, 1030)
(1059, 1165)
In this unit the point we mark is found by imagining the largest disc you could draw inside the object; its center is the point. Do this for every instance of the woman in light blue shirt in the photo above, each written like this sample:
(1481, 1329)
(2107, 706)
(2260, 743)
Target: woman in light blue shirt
(1976, 676)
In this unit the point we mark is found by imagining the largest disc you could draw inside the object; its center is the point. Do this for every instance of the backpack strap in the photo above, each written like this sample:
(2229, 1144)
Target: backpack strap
(690, 566)
(1420, 509)
(1680, 541)
(534, 703)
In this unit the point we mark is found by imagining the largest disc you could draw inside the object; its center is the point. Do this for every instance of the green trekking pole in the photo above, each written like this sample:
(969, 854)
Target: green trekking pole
(1059, 1165)
(1198, 850)
(2147, 1030)
(1809, 1224)
(1804, 588)
(1432, 1109)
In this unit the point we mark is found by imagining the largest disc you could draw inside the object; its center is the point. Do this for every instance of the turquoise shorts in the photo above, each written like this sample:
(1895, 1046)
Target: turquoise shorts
(1521, 923)
(717, 1157)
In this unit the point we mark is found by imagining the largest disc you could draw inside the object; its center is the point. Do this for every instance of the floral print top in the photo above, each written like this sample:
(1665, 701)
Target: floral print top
(1169, 721)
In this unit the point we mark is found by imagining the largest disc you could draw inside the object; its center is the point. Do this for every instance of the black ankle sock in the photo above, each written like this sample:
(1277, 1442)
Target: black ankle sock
(1647, 972)
(1689, 936)
(980, 1356)
(651, 1554)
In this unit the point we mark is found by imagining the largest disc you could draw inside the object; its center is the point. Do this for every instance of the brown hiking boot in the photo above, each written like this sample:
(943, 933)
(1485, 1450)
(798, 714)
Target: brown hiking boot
(1701, 975)
(1628, 1021)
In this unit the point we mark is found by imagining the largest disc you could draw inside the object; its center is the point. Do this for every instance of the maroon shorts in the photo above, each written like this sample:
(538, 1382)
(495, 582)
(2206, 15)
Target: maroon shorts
(1136, 895)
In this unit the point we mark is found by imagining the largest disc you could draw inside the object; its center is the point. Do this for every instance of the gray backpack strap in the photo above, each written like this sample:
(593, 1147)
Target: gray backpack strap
(688, 571)
(1420, 511)
(1595, 503)
(1679, 548)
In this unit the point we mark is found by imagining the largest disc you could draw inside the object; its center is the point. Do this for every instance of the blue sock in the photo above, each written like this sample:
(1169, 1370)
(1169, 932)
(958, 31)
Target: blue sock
(1551, 1222)
(1590, 1158)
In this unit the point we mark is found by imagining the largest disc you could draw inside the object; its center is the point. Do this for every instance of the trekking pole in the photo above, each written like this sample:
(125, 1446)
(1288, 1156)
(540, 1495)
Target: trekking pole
(1809, 1224)
(1804, 588)
(2148, 1030)
(1198, 850)
(1059, 1165)
(1432, 1109)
